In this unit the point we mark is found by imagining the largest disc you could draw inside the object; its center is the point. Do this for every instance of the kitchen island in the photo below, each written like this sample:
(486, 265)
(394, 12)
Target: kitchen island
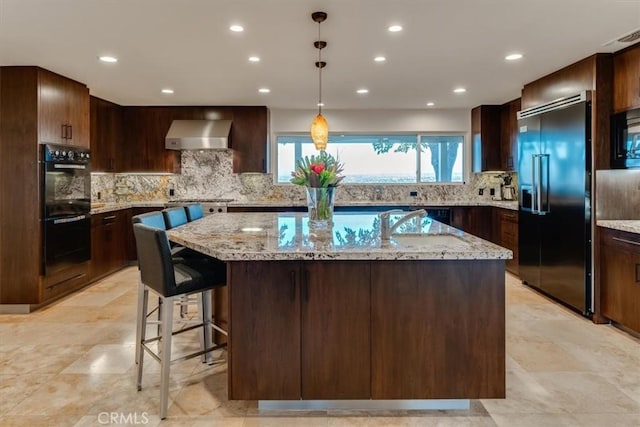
(339, 314)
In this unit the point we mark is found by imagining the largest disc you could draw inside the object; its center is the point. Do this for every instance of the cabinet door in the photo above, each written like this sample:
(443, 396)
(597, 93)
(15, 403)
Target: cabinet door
(78, 113)
(507, 235)
(264, 356)
(52, 108)
(485, 138)
(620, 278)
(443, 335)
(249, 134)
(626, 80)
(509, 135)
(336, 342)
(106, 135)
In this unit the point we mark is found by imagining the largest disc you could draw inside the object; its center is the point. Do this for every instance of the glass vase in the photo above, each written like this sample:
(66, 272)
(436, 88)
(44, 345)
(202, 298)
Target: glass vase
(320, 205)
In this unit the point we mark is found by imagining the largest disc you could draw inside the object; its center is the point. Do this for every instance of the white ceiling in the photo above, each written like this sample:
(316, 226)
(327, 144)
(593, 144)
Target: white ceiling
(186, 45)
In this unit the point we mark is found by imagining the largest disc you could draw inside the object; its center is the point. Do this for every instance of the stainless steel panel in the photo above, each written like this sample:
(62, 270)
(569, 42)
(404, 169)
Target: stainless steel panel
(618, 194)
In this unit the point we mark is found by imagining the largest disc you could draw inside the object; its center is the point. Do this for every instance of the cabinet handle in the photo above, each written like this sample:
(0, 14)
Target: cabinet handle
(292, 276)
(110, 217)
(112, 164)
(305, 284)
(70, 131)
(631, 242)
(63, 131)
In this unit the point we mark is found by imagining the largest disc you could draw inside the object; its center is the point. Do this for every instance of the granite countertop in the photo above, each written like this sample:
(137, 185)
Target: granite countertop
(354, 236)
(98, 208)
(629, 225)
(513, 205)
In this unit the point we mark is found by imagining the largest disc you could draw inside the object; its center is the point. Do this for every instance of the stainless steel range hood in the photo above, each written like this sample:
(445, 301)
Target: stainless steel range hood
(198, 135)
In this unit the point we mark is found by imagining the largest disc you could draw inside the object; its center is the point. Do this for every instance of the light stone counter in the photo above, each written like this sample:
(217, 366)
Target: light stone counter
(628, 225)
(354, 236)
(98, 208)
(505, 204)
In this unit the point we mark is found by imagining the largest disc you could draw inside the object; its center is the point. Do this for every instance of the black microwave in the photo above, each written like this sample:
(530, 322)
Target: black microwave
(625, 140)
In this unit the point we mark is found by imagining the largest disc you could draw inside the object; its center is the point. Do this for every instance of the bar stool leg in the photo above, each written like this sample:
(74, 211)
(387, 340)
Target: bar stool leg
(165, 362)
(206, 335)
(141, 329)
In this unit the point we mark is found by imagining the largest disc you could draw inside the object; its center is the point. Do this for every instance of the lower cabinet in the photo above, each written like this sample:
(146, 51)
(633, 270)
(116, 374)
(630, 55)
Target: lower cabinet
(108, 242)
(476, 220)
(506, 235)
(620, 277)
(305, 330)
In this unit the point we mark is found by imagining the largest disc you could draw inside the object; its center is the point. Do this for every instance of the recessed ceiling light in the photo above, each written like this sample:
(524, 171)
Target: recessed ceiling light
(108, 58)
(379, 59)
(167, 91)
(264, 90)
(430, 104)
(320, 104)
(362, 91)
(459, 90)
(236, 28)
(513, 57)
(254, 59)
(395, 28)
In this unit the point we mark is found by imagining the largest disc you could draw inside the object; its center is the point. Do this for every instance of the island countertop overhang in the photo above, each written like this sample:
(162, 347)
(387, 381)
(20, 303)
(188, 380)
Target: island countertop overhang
(281, 236)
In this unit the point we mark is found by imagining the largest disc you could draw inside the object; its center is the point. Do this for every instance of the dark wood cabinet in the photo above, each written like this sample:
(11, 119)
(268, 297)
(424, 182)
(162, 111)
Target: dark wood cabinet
(620, 277)
(145, 129)
(506, 234)
(485, 138)
(430, 334)
(63, 110)
(312, 320)
(108, 242)
(106, 136)
(249, 134)
(626, 79)
(509, 135)
(476, 220)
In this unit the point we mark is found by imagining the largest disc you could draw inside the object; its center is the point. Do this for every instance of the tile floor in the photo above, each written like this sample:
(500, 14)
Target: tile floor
(71, 364)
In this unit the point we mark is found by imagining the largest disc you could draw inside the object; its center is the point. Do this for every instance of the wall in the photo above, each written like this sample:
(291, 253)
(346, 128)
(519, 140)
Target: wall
(209, 174)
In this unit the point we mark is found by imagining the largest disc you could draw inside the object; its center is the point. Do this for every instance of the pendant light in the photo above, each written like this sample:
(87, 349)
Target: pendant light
(319, 126)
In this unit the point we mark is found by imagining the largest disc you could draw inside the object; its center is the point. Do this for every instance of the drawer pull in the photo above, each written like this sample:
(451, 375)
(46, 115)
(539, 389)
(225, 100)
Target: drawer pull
(109, 217)
(631, 242)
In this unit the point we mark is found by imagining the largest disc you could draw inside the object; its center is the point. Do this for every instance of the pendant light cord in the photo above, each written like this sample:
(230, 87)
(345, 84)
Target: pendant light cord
(319, 73)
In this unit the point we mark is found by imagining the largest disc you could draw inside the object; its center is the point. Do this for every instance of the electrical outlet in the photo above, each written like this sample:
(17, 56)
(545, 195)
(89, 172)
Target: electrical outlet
(413, 193)
(99, 195)
(172, 192)
(480, 191)
(492, 192)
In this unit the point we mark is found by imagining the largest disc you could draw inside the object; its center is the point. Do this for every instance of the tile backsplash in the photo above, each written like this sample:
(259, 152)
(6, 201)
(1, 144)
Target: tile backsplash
(209, 174)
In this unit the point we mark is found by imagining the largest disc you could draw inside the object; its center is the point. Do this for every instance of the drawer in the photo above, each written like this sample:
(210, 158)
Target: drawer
(620, 239)
(507, 215)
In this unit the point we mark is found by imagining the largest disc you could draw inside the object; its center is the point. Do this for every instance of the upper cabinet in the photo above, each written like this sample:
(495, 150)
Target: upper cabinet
(509, 135)
(106, 136)
(626, 79)
(249, 134)
(63, 107)
(485, 138)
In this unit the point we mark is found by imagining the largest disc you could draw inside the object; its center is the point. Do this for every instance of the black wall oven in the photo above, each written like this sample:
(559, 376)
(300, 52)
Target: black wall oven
(625, 140)
(66, 207)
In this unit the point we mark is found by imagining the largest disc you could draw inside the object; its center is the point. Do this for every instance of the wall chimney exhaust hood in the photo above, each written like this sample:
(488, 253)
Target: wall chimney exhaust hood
(198, 135)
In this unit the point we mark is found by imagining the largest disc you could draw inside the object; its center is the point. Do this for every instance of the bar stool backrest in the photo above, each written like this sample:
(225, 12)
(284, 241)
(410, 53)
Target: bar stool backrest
(173, 217)
(154, 259)
(194, 211)
(152, 219)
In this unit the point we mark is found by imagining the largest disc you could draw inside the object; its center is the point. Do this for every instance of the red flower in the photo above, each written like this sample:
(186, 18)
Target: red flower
(317, 167)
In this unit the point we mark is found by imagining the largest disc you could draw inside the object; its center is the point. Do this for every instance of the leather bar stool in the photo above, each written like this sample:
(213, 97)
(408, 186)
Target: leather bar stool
(194, 211)
(160, 275)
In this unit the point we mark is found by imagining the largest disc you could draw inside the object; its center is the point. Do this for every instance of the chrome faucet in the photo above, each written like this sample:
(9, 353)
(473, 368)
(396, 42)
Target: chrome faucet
(386, 230)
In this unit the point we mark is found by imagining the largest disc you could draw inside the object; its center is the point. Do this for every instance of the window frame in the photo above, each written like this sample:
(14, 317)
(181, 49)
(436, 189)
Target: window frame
(418, 135)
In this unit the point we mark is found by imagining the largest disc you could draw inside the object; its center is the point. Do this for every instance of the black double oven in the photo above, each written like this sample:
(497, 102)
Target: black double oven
(66, 207)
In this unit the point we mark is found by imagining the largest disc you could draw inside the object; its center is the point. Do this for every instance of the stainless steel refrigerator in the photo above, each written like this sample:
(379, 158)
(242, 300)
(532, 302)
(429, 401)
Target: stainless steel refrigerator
(554, 174)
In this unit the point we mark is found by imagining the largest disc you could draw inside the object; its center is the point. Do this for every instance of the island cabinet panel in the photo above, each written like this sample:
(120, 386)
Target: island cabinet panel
(336, 339)
(303, 330)
(264, 355)
(438, 333)
(620, 277)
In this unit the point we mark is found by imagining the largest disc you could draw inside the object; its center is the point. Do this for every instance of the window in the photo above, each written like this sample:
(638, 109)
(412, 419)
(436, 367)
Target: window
(381, 159)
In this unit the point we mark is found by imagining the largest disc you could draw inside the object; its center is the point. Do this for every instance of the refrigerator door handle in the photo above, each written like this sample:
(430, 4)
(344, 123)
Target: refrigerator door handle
(534, 185)
(543, 184)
